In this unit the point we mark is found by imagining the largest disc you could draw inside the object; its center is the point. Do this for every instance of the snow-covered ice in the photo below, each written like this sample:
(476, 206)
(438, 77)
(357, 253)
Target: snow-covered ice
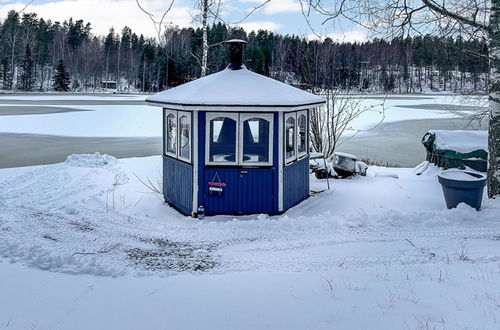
(58, 97)
(86, 245)
(102, 121)
(110, 120)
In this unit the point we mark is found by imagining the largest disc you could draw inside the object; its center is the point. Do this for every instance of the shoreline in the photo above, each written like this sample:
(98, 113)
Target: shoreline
(399, 143)
(395, 143)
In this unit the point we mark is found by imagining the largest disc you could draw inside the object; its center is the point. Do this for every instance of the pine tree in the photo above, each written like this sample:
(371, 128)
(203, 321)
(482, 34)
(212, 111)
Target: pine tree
(61, 78)
(27, 77)
(5, 75)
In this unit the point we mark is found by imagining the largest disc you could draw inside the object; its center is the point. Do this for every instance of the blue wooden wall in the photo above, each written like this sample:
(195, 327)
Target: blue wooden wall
(295, 183)
(248, 190)
(178, 184)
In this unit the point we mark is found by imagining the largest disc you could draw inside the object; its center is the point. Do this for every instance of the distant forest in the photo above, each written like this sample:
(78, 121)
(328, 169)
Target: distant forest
(33, 52)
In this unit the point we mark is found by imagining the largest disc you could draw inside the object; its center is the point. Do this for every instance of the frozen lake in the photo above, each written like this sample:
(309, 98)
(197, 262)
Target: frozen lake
(49, 127)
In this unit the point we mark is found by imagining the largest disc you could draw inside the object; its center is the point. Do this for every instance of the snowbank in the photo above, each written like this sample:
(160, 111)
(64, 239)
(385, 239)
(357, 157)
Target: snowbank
(90, 160)
(382, 246)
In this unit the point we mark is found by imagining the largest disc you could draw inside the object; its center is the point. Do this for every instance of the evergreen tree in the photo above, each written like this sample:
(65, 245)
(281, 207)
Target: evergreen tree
(27, 80)
(5, 73)
(61, 78)
(411, 64)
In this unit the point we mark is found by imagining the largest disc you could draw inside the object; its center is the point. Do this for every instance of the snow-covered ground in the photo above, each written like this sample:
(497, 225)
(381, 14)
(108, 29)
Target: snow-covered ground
(145, 121)
(62, 96)
(85, 245)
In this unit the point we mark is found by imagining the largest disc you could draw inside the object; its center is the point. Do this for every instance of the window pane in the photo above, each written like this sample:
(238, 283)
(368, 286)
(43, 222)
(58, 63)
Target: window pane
(171, 134)
(222, 140)
(185, 137)
(256, 140)
(290, 138)
(302, 125)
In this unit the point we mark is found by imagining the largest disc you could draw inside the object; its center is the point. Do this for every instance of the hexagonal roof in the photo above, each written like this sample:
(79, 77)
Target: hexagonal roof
(236, 90)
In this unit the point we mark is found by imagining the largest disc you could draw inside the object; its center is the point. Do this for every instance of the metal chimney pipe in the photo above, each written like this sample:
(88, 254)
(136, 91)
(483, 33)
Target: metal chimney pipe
(235, 53)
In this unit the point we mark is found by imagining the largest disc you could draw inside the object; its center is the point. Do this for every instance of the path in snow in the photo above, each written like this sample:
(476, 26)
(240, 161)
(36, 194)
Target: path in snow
(91, 215)
(383, 248)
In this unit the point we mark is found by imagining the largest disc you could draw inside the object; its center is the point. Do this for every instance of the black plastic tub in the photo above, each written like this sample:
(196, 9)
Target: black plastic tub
(462, 187)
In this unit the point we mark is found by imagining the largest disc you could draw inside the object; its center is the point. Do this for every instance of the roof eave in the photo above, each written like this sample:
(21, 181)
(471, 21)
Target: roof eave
(234, 107)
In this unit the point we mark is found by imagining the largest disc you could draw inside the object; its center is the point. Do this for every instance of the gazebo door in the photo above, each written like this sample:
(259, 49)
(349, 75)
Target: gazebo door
(243, 145)
(255, 183)
(255, 190)
(239, 190)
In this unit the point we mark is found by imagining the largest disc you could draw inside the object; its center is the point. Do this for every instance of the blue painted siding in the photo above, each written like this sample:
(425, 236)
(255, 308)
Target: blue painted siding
(178, 184)
(255, 191)
(248, 190)
(295, 183)
(225, 202)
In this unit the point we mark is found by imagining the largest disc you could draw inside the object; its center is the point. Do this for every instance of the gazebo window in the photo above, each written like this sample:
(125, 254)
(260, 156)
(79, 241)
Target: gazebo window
(256, 139)
(171, 133)
(222, 138)
(290, 137)
(185, 136)
(302, 134)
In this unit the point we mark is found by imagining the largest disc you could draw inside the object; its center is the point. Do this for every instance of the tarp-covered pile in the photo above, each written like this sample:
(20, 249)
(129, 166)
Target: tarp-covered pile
(457, 149)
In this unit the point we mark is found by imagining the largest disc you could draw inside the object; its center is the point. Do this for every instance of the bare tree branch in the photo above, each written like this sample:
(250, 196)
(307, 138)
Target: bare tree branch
(26, 6)
(157, 24)
(445, 12)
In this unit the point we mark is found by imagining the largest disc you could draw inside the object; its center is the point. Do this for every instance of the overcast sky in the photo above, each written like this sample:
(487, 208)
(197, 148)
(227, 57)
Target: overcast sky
(282, 16)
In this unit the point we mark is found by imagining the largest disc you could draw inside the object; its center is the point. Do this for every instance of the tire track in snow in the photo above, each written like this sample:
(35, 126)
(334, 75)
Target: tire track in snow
(56, 217)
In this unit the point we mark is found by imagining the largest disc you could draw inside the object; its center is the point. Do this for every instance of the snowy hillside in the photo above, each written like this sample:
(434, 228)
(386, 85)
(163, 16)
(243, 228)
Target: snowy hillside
(372, 251)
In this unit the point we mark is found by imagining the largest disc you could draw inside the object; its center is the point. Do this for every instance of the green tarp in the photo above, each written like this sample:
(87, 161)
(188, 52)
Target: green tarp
(457, 149)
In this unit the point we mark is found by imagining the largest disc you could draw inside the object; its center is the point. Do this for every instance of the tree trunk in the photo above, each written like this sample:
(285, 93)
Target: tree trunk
(118, 68)
(494, 102)
(204, 58)
(12, 67)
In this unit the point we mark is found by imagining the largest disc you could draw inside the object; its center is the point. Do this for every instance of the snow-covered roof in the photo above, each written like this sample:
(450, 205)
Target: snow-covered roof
(236, 90)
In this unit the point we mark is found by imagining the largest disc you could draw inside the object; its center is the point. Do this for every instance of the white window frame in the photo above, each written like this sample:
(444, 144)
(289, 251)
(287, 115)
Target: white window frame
(188, 115)
(209, 117)
(303, 153)
(165, 133)
(289, 160)
(266, 116)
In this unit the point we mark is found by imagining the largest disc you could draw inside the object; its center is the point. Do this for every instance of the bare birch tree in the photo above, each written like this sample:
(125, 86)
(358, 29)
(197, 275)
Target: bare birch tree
(330, 124)
(476, 19)
(209, 9)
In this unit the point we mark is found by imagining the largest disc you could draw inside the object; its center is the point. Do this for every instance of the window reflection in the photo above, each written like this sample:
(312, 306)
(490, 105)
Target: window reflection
(256, 140)
(171, 134)
(302, 137)
(290, 138)
(185, 137)
(222, 140)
